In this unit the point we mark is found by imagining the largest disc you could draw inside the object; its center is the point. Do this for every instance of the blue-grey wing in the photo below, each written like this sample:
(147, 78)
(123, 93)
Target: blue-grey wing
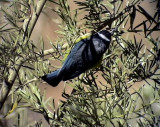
(74, 64)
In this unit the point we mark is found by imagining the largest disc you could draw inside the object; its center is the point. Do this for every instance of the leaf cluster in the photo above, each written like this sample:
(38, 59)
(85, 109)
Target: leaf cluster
(128, 61)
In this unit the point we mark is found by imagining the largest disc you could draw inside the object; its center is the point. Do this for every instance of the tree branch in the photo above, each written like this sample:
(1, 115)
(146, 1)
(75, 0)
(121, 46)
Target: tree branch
(7, 85)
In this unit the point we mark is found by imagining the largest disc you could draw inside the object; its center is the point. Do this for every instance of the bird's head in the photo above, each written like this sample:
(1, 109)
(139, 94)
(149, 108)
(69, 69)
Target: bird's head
(105, 35)
(101, 41)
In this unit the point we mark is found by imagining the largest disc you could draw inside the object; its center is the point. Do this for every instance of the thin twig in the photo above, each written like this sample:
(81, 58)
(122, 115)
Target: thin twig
(7, 85)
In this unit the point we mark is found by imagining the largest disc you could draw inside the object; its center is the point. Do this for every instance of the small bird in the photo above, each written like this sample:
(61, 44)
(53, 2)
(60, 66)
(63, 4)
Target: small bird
(83, 56)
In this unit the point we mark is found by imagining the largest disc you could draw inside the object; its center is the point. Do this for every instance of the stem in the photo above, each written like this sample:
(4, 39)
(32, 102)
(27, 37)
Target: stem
(36, 15)
(7, 85)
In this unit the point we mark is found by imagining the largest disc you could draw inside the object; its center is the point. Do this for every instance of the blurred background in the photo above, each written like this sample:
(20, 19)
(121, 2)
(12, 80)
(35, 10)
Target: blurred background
(45, 28)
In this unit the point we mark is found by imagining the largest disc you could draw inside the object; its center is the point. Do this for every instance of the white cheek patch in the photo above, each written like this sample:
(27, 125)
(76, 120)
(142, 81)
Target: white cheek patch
(103, 37)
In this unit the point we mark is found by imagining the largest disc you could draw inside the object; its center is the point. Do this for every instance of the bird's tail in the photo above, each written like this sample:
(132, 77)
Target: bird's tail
(52, 79)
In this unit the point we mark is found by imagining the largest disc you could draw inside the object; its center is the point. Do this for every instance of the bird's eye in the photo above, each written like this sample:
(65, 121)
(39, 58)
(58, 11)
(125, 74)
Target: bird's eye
(99, 44)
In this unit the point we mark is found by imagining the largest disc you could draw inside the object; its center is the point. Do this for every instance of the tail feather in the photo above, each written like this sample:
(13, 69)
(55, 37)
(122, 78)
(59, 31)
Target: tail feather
(52, 79)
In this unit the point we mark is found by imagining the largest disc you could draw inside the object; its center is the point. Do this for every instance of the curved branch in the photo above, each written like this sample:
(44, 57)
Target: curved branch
(7, 85)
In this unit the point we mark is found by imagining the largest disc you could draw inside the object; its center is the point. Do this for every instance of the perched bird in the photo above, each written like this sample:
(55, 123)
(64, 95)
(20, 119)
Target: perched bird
(83, 56)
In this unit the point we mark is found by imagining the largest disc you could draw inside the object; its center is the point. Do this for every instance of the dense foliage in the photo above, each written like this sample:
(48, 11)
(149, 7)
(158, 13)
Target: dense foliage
(133, 57)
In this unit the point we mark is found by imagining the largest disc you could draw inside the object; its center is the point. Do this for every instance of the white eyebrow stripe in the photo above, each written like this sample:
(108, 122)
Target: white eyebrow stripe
(103, 37)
